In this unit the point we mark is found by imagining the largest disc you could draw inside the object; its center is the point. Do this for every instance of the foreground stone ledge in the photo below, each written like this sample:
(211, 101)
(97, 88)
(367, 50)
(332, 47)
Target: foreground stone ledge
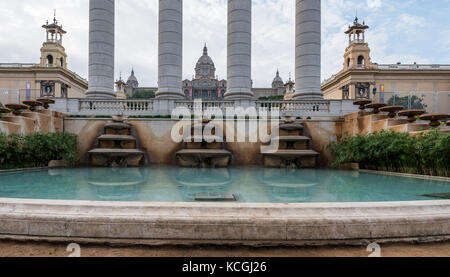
(289, 223)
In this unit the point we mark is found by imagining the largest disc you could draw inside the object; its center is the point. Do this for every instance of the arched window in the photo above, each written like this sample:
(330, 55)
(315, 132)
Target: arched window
(49, 60)
(186, 94)
(61, 62)
(348, 63)
(360, 60)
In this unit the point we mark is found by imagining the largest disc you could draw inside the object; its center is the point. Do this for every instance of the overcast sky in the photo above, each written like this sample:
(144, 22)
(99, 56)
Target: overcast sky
(404, 31)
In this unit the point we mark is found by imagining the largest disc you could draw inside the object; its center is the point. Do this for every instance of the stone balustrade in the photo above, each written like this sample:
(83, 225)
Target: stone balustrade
(112, 107)
(144, 107)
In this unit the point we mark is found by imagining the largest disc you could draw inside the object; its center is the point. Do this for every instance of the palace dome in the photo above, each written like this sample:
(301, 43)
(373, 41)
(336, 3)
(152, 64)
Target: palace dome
(277, 81)
(205, 66)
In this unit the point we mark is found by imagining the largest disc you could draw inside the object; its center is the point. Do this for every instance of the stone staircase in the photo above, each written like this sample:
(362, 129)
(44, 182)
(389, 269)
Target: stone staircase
(203, 151)
(117, 146)
(294, 149)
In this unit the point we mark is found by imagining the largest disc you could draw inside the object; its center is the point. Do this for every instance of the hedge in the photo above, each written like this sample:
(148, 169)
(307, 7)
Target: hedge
(427, 154)
(37, 150)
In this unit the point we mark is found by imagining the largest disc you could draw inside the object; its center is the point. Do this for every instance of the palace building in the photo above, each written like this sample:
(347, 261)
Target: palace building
(50, 78)
(206, 85)
(413, 85)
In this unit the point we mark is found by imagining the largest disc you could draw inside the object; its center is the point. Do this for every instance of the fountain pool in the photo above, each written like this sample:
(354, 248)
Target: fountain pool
(246, 184)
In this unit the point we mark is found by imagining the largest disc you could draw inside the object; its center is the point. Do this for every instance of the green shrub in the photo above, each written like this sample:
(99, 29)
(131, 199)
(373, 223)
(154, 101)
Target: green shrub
(427, 154)
(36, 150)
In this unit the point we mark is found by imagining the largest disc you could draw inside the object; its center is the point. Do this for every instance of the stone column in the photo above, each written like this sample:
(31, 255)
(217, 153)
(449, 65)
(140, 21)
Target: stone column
(101, 49)
(239, 55)
(307, 50)
(170, 60)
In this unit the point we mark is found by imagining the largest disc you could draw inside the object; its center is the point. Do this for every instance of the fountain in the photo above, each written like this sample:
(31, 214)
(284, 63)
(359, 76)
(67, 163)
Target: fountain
(392, 110)
(16, 108)
(376, 107)
(117, 146)
(294, 149)
(362, 103)
(435, 118)
(32, 105)
(411, 114)
(46, 102)
(204, 151)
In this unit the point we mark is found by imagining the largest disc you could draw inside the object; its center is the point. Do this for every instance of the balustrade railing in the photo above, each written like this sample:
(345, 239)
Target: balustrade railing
(204, 105)
(152, 107)
(296, 107)
(107, 107)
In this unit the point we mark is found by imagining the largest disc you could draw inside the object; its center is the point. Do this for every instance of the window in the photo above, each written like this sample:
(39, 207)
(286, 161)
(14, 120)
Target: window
(348, 63)
(49, 60)
(360, 60)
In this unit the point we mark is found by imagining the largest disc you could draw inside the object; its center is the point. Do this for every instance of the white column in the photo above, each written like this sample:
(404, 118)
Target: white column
(239, 55)
(307, 50)
(101, 49)
(170, 59)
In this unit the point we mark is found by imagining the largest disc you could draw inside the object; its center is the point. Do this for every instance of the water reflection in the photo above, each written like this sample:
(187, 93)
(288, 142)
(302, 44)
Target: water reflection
(117, 184)
(289, 185)
(195, 181)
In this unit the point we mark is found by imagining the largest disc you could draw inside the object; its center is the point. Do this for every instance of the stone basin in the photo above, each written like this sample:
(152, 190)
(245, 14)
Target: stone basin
(375, 106)
(117, 137)
(206, 158)
(46, 102)
(16, 108)
(33, 104)
(292, 153)
(292, 138)
(117, 126)
(411, 114)
(292, 127)
(208, 153)
(362, 103)
(116, 152)
(4, 110)
(435, 118)
(392, 110)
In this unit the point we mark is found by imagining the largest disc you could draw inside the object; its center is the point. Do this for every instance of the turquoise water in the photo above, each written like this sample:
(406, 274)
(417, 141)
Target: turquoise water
(248, 184)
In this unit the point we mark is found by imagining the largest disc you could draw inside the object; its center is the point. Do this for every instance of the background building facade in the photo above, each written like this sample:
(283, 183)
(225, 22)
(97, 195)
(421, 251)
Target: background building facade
(50, 78)
(411, 85)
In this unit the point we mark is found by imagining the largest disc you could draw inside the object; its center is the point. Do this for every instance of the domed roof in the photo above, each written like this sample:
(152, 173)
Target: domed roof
(205, 59)
(277, 81)
(132, 79)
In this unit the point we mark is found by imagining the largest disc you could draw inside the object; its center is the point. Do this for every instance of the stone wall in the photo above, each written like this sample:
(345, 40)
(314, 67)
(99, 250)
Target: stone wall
(155, 138)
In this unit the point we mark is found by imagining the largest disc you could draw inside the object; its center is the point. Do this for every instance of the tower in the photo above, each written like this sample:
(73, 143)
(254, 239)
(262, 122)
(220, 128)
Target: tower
(357, 54)
(53, 54)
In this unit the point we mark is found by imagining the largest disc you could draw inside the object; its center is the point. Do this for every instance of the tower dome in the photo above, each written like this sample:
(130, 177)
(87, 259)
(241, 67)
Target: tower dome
(132, 80)
(205, 67)
(277, 81)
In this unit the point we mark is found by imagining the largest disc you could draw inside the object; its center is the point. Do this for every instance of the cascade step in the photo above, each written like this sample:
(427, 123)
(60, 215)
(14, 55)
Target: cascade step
(292, 127)
(292, 138)
(292, 153)
(116, 152)
(204, 152)
(117, 137)
(117, 126)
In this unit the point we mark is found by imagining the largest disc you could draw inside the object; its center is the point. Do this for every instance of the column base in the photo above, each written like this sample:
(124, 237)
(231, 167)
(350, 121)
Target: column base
(100, 95)
(169, 96)
(238, 96)
(309, 96)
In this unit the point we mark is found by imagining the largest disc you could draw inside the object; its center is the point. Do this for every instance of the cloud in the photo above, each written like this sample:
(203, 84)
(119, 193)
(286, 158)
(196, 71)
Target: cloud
(400, 31)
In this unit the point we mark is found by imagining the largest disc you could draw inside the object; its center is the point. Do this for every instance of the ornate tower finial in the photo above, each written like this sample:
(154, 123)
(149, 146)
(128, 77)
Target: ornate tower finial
(205, 50)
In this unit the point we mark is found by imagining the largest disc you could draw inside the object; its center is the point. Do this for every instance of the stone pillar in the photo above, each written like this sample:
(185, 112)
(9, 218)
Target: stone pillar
(307, 50)
(170, 60)
(101, 49)
(239, 55)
